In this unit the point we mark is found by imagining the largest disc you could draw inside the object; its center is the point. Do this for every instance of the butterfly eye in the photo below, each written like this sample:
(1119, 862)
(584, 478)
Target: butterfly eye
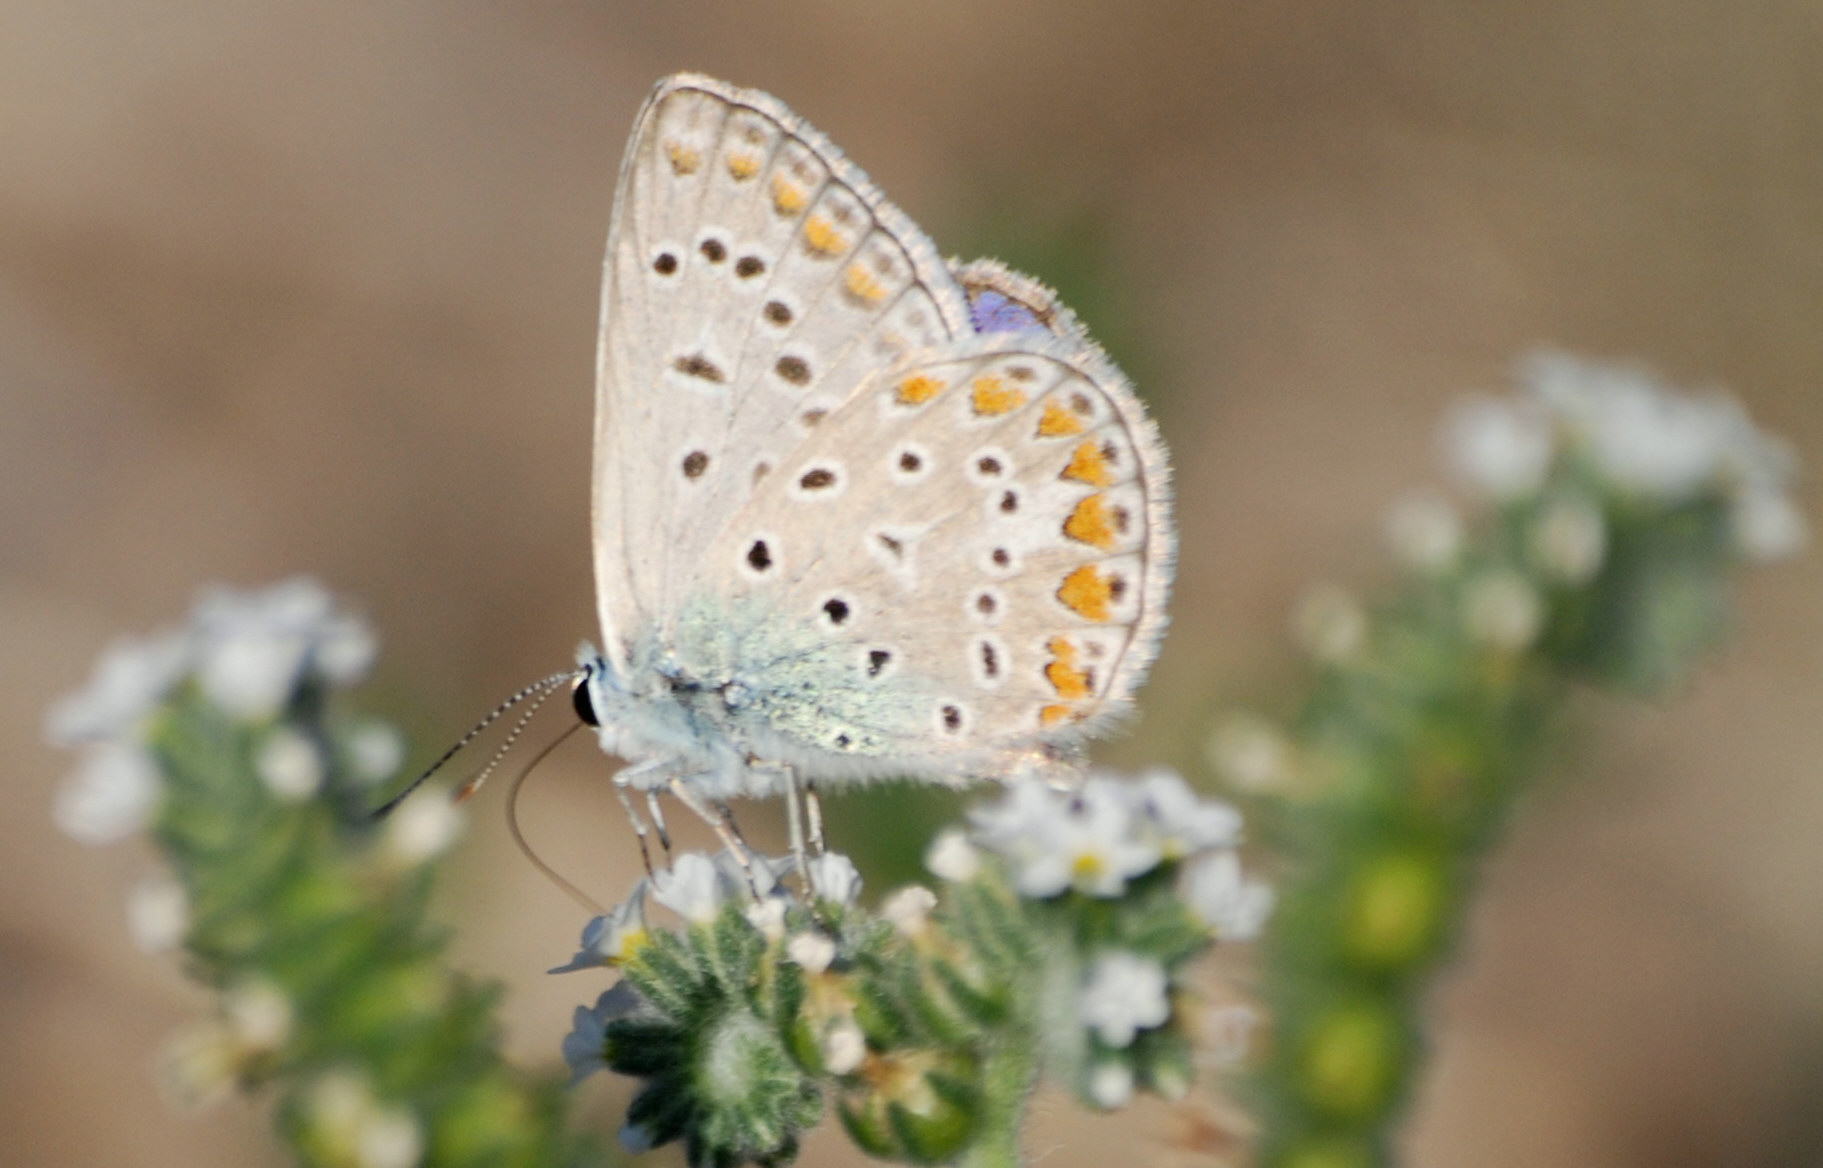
(584, 705)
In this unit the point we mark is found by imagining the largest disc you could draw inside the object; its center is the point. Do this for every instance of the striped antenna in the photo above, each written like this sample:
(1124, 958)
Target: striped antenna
(542, 689)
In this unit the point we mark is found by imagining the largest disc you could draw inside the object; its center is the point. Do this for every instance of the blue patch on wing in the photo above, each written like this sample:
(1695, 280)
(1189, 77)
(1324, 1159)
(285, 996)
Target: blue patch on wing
(995, 312)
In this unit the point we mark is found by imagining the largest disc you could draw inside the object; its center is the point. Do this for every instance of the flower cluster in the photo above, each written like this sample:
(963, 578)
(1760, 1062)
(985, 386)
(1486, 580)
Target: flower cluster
(250, 655)
(1059, 945)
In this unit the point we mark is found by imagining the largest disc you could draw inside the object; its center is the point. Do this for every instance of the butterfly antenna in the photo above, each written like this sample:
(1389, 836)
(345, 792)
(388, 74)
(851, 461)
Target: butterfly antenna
(512, 824)
(542, 689)
(466, 790)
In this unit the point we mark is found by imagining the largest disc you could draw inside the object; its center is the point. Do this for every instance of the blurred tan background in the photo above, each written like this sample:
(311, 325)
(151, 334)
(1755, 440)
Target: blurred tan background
(312, 288)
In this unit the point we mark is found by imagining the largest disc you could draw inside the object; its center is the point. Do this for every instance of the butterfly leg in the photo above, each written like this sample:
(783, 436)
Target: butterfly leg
(813, 807)
(721, 821)
(794, 826)
(623, 781)
(658, 824)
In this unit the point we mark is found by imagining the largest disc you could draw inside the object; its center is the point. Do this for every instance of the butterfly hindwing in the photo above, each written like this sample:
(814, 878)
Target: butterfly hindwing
(968, 557)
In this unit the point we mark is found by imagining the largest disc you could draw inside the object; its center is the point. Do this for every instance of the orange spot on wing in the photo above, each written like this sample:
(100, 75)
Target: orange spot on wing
(684, 159)
(1058, 422)
(1090, 524)
(863, 286)
(743, 166)
(1089, 465)
(822, 238)
(788, 198)
(1088, 593)
(915, 391)
(1072, 684)
(1049, 716)
(992, 397)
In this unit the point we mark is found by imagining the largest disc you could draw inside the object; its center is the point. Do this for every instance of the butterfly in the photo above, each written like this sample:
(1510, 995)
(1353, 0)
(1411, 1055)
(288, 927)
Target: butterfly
(858, 513)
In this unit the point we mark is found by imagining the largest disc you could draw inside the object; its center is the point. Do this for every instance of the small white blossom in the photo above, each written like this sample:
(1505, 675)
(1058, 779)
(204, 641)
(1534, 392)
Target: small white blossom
(345, 650)
(908, 910)
(1111, 1085)
(1123, 994)
(1249, 752)
(813, 952)
(1329, 624)
(1569, 540)
(1502, 609)
(251, 673)
(609, 940)
(289, 764)
(158, 914)
(833, 877)
(1087, 841)
(197, 1065)
(114, 793)
(1657, 443)
(389, 1138)
(133, 676)
(843, 1047)
(585, 1046)
(1425, 531)
(952, 857)
(692, 887)
(767, 917)
(759, 876)
(1224, 899)
(1767, 525)
(421, 829)
(1501, 446)
(375, 751)
(1179, 823)
(258, 1015)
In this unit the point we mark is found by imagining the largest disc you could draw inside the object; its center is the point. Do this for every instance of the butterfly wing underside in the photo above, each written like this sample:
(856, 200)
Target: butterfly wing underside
(980, 539)
(753, 278)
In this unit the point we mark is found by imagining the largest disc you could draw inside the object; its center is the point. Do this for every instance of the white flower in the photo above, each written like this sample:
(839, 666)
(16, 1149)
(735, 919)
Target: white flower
(908, 910)
(421, 829)
(611, 939)
(1329, 624)
(258, 1015)
(197, 1065)
(158, 914)
(812, 951)
(1657, 443)
(1219, 894)
(130, 680)
(767, 917)
(692, 887)
(1501, 446)
(1111, 1085)
(1502, 609)
(1766, 524)
(951, 857)
(114, 793)
(375, 751)
(1086, 841)
(250, 673)
(388, 1137)
(833, 877)
(345, 650)
(585, 1046)
(289, 764)
(1178, 822)
(1569, 540)
(1123, 994)
(1425, 532)
(1249, 752)
(760, 876)
(253, 647)
(843, 1046)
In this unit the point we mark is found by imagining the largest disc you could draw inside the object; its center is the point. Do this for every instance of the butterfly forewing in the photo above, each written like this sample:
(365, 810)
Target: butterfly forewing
(754, 277)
